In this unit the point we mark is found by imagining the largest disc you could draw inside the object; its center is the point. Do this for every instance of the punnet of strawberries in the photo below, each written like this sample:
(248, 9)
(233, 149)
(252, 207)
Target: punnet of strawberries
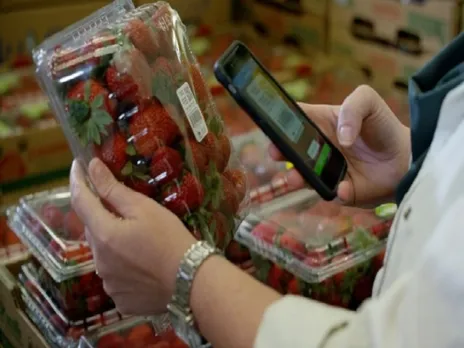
(306, 246)
(58, 328)
(133, 333)
(131, 93)
(46, 223)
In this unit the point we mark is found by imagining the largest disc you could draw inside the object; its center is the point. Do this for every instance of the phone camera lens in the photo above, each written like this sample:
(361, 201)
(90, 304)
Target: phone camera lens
(232, 89)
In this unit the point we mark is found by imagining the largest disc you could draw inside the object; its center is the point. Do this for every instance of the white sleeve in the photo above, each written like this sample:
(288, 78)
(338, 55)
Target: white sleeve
(422, 309)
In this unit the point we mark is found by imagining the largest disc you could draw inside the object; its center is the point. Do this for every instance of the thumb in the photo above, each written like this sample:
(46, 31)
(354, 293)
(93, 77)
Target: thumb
(111, 191)
(355, 108)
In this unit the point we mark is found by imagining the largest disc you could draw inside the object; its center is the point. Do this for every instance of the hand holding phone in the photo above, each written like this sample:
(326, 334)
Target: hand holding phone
(318, 161)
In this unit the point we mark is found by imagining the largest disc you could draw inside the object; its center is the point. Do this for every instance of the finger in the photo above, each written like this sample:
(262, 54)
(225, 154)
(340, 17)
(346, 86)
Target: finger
(357, 106)
(87, 206)
(345, 192)
(118, 196)
(294, 180)
(275, 153)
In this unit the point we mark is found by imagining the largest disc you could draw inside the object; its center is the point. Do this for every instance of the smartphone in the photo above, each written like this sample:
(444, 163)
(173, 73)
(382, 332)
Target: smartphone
(318, 161)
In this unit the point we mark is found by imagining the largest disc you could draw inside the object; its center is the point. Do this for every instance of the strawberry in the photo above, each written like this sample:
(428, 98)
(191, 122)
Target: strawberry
(111, 340)
(225, 150)
(142, 37)
(151, 128)
(113, 153)
(314, 259)
(237, 253)
(75, 229)
(91, 110)
(166, 165)
(146, 188)
(139, 334)
(52, 216)
(165, 80)
(199, 86)
(363, 289)
(265, 231)
(211, 146)
(294, 287)
(229, 199)
(129, 76)
(339, 278)
(185, 196)
(199, 160)
(377, 261)
(289, 243)
(275, 278)
(220, 228)
(238, 178)
(163, 23)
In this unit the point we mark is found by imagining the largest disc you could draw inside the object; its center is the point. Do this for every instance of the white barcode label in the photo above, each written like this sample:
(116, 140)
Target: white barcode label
(313, 150)
(192, 111)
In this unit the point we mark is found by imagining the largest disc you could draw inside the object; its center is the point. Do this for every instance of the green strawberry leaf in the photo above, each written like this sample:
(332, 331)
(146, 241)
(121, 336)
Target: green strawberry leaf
(130, 150)
(141, 176)
(97, 102)
(79, 110)
(215, 125)
(102, 117)
(127, 170)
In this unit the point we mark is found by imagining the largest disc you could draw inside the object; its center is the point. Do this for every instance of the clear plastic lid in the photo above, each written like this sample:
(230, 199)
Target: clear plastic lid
(312, 238)
(10, 245)
(57, 328)
(46, 223)
(253, 151)
(135, 332)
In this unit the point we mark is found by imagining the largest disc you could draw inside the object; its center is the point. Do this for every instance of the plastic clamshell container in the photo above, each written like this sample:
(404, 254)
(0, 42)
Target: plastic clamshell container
(10, 245)
(54, 324)
(135, 332)
(328, 248)
(44, 222)
(63, 262)
(129, 91)
(252, 149)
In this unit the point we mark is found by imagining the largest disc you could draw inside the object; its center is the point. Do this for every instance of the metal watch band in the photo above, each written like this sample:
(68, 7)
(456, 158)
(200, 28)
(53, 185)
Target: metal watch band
(179, 307)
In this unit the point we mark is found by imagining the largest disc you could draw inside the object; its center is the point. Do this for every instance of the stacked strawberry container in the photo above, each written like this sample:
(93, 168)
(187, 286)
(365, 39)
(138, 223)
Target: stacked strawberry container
(305, 246)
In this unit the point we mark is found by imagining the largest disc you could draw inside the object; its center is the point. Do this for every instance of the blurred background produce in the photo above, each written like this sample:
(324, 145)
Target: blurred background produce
(320, 50)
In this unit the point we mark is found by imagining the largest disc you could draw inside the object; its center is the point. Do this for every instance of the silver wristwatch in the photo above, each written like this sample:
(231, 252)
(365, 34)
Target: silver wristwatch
(180, 314)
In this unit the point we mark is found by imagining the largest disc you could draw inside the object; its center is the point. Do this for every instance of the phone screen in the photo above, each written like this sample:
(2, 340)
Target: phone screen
(255, 86)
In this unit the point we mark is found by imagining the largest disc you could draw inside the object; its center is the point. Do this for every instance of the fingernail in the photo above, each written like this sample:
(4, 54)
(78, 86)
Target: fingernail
(345, 135)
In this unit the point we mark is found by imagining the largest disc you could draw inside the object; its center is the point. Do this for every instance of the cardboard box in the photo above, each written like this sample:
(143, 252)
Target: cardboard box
(33, 156)
(22, 30)
(14, 323)
(213, 12)
(304, 30)
(420, 28)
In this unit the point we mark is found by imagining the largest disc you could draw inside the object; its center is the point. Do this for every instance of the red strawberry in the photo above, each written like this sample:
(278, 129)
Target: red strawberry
(151, 128)
(238, 178)
(91, 111)
(75, 229)
(363, 289)
(141, 186)
(111, 340)
(162, 20)
(230, 200)
(237, 253)
(113, 153)
(52, 216)
(220, 228)
(225, 150)
(377, 261)
(314, 259)
(142, 37)
(185, 196)
(139, 334)
(339, 278)
(290, 243)
(212, 151)
(265, 231)
(199, 86)
(294, 287)
(199, 159)
(275, 278)
(166, 165)
(129, 77)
